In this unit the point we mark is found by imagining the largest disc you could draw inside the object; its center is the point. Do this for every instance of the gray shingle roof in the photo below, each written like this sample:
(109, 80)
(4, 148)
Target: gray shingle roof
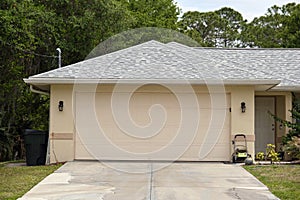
(154, 60)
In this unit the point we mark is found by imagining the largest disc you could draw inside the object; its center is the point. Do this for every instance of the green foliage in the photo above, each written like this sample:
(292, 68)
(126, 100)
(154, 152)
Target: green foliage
(218, 29)
(294, 126)
(291, 141)
(6, 143)
(31, 30)
(153, 13)
(140, 35)
(292, 148)
(279, 27)
(271, 153)
(260, 156)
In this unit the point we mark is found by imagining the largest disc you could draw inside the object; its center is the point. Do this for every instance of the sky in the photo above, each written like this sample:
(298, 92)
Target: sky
(248, 8)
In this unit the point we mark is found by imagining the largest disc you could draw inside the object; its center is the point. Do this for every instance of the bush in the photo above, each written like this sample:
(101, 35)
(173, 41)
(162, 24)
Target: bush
(6, 145)
(291, 141)
(292, 148)
(271, 153)
(260, 156)
(294, 127)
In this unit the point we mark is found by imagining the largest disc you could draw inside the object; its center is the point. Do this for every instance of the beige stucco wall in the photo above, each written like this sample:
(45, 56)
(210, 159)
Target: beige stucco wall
(61, 126)
(62, 123)
(243, 122)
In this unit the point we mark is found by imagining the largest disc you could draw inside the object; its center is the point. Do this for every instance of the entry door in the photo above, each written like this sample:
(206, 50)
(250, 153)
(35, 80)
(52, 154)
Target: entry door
(264, 123)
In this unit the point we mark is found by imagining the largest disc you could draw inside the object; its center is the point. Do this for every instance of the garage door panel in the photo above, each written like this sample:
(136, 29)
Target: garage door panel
(213, 101)
(144, 117)
(216, 115)
(165, 135)
(103, 102)
(141, 99)
(210, 121)
(104, 117)
(81, 152)
(205, 123)
(218, 154)
(140, 117)
(93, 139)
(222, 137)
(166, 99)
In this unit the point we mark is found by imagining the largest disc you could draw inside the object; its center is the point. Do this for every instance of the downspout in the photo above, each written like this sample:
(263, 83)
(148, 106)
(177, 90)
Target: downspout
(38, 91)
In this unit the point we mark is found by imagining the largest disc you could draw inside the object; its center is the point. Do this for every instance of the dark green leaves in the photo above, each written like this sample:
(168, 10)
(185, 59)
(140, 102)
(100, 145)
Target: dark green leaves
(31, 30)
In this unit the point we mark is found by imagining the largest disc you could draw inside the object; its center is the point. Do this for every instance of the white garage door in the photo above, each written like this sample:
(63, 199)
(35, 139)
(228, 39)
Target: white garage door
(126, 133)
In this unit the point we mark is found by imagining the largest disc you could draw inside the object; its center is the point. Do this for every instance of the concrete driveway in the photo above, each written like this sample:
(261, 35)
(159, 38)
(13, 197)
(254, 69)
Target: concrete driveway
(184, 180)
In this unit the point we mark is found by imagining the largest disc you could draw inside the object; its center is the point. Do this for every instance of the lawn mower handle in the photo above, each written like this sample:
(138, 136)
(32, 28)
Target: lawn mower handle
(240, 135)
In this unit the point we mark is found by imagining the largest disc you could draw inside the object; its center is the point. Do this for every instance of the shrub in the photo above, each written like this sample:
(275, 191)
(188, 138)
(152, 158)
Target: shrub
(271, 153)
(292, 148)
(6, 147)
(260, 156)
(294, 127)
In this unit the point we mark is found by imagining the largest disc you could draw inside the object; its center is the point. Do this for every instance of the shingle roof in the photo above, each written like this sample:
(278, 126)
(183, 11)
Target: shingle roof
(154, 60)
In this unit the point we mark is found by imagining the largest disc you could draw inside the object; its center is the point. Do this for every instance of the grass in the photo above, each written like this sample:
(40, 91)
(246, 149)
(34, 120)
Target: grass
(17, 180)
(282, 180)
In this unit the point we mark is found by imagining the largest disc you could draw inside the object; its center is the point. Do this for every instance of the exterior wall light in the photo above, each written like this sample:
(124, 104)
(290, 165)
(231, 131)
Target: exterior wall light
(60, 105)
(243, 107)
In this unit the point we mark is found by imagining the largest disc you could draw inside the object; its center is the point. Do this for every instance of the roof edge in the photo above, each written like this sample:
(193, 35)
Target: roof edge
(286, 88)
(50, 81)
(250, 49)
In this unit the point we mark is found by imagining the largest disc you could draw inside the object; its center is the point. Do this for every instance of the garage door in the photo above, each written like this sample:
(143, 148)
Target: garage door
(127, 134)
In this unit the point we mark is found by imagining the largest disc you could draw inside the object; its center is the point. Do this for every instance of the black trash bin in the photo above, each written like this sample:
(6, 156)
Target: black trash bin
(36, 147)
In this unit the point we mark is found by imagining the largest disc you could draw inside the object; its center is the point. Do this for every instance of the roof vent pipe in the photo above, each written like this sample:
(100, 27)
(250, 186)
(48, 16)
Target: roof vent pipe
(59, 57)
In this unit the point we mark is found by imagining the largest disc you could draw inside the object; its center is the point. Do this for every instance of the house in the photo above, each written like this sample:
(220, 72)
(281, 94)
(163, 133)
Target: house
(158, 101)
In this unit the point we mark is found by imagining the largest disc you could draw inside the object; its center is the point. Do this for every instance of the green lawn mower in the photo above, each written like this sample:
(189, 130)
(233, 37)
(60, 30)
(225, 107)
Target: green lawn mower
(240, 151)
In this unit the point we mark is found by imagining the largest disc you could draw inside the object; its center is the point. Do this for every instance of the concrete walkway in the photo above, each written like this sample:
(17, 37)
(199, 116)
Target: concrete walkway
(188, 181)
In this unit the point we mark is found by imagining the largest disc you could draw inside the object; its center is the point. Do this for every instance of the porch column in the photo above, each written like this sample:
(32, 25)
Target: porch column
(243, 122)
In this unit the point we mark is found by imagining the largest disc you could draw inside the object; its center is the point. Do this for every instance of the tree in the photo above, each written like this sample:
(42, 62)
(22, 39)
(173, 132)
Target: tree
(231, 24)
(293, 26)
(149, 20)
(19, 26)
(31, 30)
(220, 28)
(279, 27)
(200, 26)
(153, 13)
